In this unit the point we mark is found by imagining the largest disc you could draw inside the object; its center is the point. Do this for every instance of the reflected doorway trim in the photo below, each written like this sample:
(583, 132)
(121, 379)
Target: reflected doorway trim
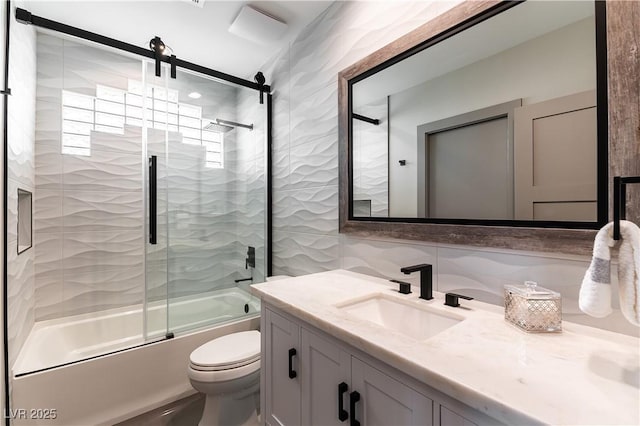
(483, 115)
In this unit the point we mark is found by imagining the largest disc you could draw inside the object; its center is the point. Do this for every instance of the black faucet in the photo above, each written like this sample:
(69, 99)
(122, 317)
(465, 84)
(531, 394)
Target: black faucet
(426, 279)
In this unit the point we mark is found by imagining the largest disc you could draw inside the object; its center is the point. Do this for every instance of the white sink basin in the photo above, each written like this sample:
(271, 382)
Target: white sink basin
(403, 317)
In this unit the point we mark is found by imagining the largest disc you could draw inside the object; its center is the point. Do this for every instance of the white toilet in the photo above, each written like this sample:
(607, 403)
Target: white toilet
(227, 371)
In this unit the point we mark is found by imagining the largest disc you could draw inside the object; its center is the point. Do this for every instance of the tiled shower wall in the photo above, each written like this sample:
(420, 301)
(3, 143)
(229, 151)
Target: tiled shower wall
(21, 174)
(305, 161)
(89, 211)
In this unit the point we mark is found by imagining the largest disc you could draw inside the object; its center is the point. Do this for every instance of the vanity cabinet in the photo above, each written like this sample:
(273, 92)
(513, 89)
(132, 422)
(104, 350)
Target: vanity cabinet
(282, 392)
(312, 378)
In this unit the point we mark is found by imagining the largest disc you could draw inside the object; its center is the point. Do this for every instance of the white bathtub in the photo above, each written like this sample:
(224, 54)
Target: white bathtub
(110, 388)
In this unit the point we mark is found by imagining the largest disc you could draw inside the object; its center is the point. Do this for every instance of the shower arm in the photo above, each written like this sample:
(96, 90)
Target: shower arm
(234, 124)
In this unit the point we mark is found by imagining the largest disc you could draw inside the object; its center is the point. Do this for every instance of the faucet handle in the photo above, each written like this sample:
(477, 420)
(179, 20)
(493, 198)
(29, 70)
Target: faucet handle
(405, 287)
(451, 299)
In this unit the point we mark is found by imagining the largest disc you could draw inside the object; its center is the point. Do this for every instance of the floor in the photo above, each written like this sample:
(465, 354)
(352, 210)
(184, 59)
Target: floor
(184, 412)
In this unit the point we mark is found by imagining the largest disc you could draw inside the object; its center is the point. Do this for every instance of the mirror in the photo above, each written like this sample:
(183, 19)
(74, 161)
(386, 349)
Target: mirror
(499, 121)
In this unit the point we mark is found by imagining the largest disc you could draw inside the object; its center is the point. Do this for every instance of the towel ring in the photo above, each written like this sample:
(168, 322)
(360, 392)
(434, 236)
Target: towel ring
(620, 201)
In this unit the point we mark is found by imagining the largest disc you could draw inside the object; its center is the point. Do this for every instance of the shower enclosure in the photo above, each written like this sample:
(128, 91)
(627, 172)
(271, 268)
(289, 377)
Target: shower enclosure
(149, 204)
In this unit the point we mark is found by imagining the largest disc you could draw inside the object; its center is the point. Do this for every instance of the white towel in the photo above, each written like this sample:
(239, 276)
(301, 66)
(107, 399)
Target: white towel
(595, 293)
(629, 271)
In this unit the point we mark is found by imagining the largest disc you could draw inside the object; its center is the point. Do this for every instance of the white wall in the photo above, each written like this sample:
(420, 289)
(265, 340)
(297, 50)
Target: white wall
(305, 161)
(556, 64)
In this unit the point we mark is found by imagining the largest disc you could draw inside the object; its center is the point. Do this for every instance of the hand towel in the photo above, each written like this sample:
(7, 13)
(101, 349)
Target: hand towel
(595, 292)
(629, 272)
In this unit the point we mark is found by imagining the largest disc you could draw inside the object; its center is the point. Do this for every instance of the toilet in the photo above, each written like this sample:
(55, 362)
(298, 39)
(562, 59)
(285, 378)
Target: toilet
(227, 371)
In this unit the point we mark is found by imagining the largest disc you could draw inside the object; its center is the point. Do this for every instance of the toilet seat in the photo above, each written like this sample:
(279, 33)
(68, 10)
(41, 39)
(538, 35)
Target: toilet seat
(213, 376)
(228, 352)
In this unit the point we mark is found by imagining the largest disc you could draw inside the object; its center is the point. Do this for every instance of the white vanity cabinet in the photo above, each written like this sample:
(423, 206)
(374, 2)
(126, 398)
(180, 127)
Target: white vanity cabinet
(309, 378)
(282, 392)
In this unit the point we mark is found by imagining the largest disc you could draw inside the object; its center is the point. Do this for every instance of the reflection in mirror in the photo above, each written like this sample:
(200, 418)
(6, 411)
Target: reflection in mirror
(496, 122)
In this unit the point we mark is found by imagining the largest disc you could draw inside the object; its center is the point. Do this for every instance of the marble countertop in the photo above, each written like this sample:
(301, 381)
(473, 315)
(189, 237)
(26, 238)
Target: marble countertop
(580, 376)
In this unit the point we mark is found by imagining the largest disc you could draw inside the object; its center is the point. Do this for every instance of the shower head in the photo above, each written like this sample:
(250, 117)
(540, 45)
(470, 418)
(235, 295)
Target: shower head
(224, 126)
(218, 128)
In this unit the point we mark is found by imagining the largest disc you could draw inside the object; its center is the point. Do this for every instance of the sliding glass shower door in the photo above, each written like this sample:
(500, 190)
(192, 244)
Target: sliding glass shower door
(206, 145)
(147, 197)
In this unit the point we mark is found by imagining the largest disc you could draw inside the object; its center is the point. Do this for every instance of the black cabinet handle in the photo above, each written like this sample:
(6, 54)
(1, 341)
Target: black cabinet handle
(342, 413)
(292, 372)
(153, 199)
(353, 398)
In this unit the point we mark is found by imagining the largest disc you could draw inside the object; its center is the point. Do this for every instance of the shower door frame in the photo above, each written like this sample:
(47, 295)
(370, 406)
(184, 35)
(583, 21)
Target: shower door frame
(25, 17)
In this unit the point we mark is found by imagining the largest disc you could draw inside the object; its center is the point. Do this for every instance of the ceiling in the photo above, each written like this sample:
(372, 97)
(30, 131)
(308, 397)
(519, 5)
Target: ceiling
(195, 34)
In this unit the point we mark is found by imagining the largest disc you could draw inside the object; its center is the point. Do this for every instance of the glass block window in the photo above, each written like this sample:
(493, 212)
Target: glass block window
(77, 123)
(214, 144)
(112, 108)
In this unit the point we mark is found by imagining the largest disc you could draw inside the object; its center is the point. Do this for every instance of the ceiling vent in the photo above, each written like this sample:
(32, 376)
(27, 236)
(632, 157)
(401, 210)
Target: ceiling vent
(257, 26)
(199, 3)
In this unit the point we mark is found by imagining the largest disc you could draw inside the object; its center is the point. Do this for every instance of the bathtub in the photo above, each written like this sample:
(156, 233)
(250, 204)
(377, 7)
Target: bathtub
(109, 388)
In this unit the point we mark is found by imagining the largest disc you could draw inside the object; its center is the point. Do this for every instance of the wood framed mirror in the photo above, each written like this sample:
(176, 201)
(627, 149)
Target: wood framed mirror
(617, 97)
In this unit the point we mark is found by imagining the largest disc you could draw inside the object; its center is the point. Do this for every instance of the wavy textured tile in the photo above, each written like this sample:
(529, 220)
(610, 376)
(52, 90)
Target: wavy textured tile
(50, 60)
(385, 258)
(48, 167)
(281, 112)
(300, 254)
(485, 273)
(102, 171)
(87, 58)
(101, 251)
(48, 276)
(20, 297)
(48, 123)
(47, 211)
(48, 256)
(20, 151)
(310, 210)
(12, 209)
(314, 116)
(128, 142)
(99, 290)
(314, 164)
(87, 211)
(21, 172)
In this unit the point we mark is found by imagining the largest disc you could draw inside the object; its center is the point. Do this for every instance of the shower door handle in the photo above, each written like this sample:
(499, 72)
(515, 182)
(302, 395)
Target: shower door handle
(153, 199)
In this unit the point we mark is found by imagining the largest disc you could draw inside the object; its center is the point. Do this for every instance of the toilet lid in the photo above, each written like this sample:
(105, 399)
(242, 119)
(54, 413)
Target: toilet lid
(228, 351)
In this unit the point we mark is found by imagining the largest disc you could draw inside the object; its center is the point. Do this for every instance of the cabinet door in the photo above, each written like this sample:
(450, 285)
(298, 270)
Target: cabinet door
(283, 392)
(449, 418)
(386, 401)
(326, 366)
